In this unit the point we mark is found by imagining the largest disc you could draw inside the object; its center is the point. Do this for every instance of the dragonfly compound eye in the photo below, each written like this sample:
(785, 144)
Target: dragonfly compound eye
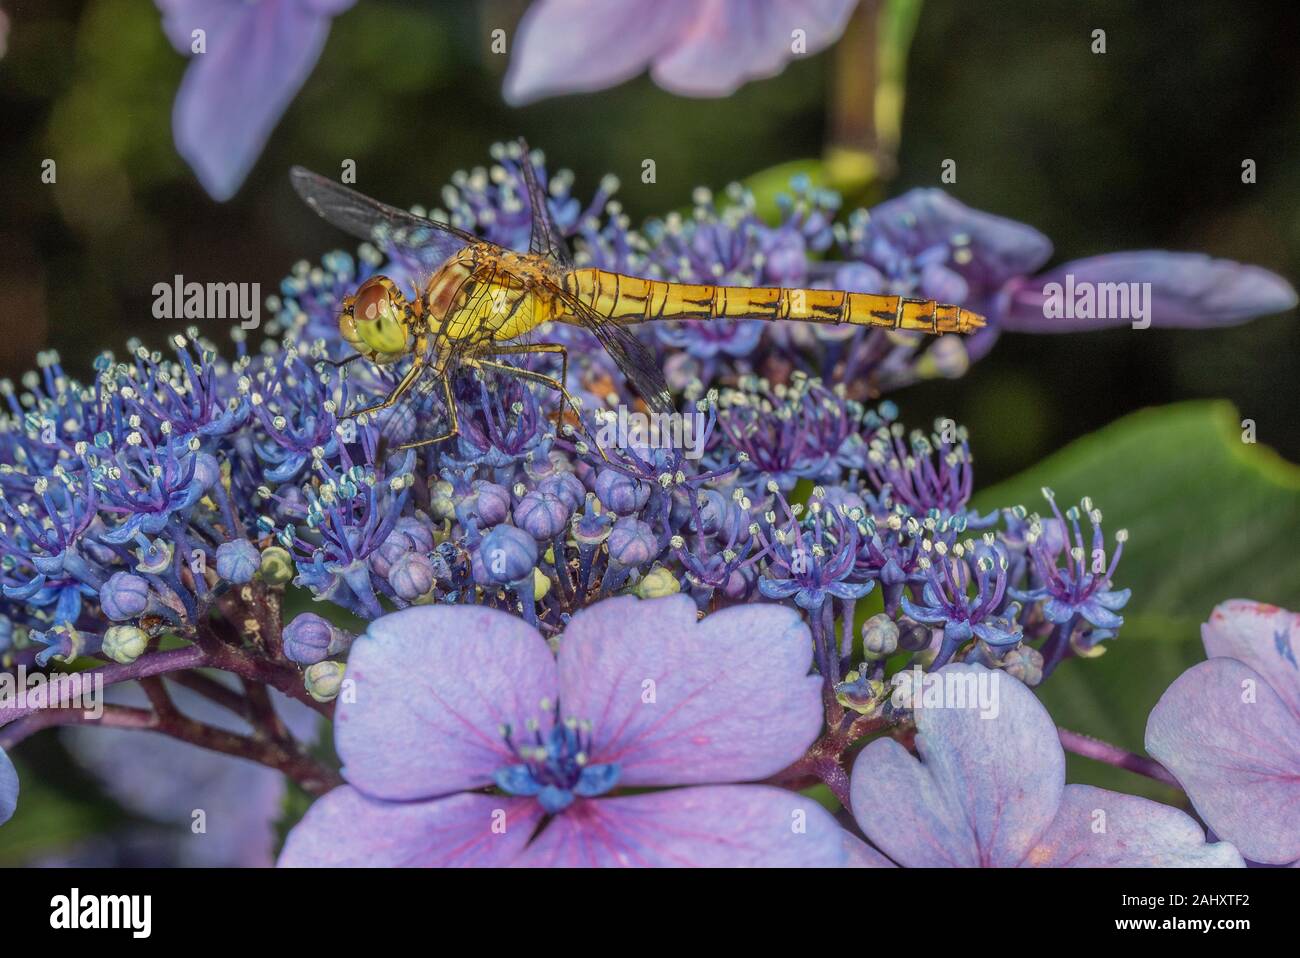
(376, 319)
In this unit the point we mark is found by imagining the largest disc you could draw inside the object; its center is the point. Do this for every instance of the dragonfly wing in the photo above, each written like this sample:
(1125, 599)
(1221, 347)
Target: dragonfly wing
(386, 226)
(637, 363)
(547, 239)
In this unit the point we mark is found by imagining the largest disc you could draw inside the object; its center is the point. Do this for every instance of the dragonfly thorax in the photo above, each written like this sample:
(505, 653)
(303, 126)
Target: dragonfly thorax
(484, 295)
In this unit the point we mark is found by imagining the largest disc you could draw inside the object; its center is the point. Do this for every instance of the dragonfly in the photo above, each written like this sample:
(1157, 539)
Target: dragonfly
(475, 304)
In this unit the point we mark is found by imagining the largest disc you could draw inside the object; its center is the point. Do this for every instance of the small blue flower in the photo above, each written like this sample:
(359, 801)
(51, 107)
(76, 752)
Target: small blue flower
(809, 561)
(556, 766)
(1079, 593)
(945, 603)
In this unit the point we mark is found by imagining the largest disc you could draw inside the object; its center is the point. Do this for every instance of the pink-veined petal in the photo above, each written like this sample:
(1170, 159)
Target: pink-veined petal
(727, 43)
(1262, 636)
(1097, 828)
(433, 686)
(723, 826)
(347, 829)
(1234, 746)
(573, 46)
(987, 784)
(677, 701)
(862, 855)
(257, 57)
(1186, 289)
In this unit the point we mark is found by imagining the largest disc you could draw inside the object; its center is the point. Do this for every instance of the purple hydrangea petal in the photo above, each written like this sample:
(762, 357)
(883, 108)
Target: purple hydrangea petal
(862, 855)
(730, 43)
(434, 686)
(983, 791)
(348, 829)
(1234, 746)
(1262, 636)
(571, 46)
(1097, 613)
(676, 701)
(725, 826)
(1000, 248)
(1096, 828)
(1113, 599)
(166, 780)
(257, 57)
(1187, 289)
(8, 788)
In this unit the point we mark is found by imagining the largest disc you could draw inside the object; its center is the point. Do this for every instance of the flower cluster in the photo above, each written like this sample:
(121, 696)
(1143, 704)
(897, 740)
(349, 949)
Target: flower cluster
(179, 494)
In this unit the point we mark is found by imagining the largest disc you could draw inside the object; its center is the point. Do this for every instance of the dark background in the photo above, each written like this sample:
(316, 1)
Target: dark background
(1137, 148)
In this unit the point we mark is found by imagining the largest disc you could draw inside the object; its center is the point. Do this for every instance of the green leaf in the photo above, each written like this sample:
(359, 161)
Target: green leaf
(1210, 518)
(768, 184)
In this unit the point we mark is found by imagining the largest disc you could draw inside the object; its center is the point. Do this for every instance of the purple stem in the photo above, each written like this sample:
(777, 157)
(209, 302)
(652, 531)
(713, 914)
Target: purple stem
(157, 663)
(1114, 755)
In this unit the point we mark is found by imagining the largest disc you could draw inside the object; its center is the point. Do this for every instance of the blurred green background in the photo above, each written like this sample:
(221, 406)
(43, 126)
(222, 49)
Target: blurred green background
(1138, 148)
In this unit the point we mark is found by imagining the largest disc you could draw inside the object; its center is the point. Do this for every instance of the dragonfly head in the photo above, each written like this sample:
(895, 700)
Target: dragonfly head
(377, 321)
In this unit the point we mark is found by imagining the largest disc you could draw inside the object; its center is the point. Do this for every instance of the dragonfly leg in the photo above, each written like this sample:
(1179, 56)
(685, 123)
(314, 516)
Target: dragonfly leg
(530, 376)
(398, 392)
(453, 424)
(338, 363)
(526, 348)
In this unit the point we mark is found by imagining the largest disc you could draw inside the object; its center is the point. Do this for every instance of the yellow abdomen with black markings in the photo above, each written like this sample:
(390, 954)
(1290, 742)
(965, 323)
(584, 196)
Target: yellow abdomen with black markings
(628, 299)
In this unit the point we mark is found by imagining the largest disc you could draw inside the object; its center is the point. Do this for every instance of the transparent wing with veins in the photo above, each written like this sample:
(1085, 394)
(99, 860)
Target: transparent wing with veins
(395, 232)
(547, 239)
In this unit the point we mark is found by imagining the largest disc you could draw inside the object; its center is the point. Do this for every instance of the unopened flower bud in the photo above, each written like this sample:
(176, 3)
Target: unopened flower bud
(879, 636)
(541, 585)
(124, 596)
(310, 639)
(238, 561)
(657, 583)
(504, 556)
(277, 566)
(323, 680)
(632, 542)
(412, 576)
(125, 643)
(543, 515)
(619, 493)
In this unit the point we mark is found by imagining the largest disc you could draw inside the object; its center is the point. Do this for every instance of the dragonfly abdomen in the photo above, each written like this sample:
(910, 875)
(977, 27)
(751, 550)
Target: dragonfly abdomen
(630, 299)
